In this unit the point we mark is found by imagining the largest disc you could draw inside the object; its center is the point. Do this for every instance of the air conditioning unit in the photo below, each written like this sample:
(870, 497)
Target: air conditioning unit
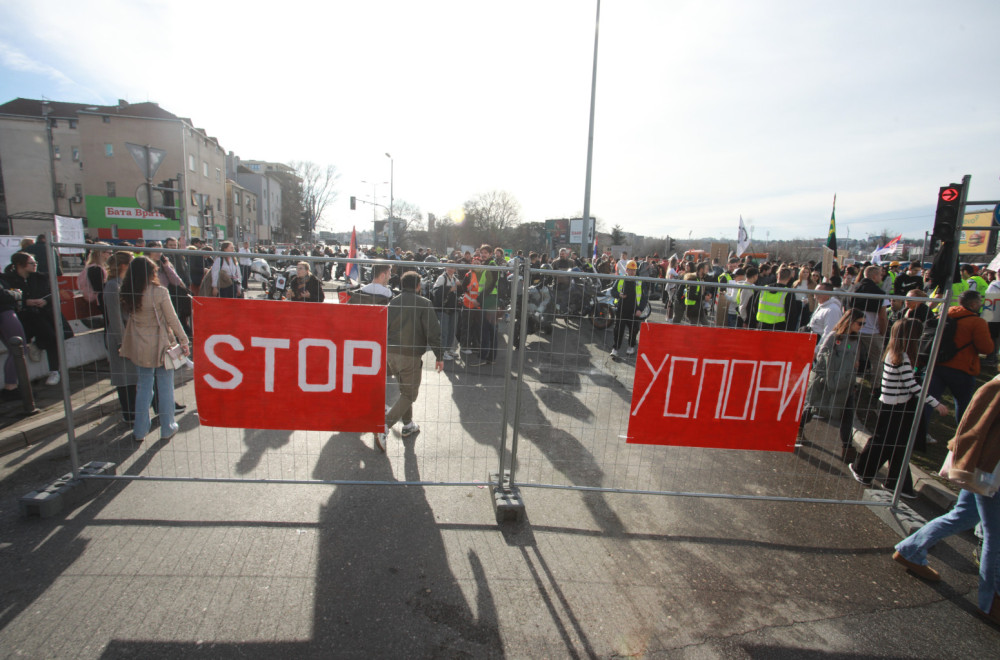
(76, 199)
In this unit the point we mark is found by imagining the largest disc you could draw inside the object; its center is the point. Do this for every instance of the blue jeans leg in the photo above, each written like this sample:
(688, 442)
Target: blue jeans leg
(447, 322)
(989, 559)
(962, 517)
(144, 397)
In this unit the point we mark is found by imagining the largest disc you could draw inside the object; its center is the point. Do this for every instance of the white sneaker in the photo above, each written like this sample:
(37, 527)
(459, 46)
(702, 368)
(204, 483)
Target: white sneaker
(380, 442)
(630, 351)
(614, 352)
(53, 378)
(410, 429)
(34, 353)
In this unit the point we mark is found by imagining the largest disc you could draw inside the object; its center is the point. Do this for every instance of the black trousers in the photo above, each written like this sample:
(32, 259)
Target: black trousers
(888, 444)
(626, 320)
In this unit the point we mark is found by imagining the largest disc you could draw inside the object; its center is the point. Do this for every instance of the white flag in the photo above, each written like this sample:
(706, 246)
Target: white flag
(742, 240)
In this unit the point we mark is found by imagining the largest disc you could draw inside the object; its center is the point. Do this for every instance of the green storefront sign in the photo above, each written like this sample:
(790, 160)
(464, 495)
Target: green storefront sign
(103, 212)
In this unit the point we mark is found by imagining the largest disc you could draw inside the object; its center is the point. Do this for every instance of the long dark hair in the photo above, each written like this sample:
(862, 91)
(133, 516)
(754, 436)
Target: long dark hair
(141, 272)
(845, 325)
(904, 339)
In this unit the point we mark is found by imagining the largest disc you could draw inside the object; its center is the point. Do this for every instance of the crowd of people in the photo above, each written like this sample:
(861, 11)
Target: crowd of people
(862, 336)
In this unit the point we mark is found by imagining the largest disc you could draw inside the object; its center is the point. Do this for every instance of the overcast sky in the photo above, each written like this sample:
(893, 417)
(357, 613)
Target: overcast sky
(706, 110)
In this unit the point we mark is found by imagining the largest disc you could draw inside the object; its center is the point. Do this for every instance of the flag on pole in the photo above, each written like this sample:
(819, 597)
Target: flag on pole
(885, 249)
(831, 239)
(742, 239)
(353, 272)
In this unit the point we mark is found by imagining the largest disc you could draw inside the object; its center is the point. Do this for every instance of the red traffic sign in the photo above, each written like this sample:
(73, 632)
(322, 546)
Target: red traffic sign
(949, 195)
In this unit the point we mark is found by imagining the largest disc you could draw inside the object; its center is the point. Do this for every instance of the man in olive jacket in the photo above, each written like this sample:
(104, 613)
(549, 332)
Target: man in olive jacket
(412, 327)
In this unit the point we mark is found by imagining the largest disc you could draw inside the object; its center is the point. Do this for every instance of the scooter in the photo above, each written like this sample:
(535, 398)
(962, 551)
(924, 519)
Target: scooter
(278, 284)
(260, 271)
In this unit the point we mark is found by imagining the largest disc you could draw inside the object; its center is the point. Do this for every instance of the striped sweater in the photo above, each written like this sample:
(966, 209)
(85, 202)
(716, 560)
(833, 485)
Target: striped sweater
(899, 385)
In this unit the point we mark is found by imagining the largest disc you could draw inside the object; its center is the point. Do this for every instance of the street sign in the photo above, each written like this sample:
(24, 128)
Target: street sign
(147, 164)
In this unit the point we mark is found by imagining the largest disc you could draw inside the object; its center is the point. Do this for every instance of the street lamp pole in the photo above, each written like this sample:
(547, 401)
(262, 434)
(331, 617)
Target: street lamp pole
(375, 185)
(392, 177)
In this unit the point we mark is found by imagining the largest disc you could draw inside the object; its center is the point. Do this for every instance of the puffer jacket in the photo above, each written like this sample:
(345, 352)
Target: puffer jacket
(972, 333)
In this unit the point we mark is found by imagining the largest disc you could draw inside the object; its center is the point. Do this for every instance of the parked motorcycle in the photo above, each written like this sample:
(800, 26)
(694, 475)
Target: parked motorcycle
(540, 312)
(278, 284)
(260, 272)
(586, 299)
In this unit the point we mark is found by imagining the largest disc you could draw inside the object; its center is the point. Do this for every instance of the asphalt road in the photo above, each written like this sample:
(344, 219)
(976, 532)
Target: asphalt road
(165, 568)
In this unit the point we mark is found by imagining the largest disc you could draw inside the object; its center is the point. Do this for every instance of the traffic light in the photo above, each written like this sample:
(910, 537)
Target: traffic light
(171, 193)
(947, 219)
(673, 244)
(304, 222)
(354, 202)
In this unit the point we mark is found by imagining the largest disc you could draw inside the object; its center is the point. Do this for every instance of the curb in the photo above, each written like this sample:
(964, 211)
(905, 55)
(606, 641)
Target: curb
(49, 422)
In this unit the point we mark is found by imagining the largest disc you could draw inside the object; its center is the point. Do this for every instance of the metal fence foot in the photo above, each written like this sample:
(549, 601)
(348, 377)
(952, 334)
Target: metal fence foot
(507, 503)
(65, 492)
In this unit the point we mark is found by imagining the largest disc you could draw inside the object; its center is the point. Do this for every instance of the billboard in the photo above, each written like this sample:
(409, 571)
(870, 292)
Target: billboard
(125, 213)
(977, 242)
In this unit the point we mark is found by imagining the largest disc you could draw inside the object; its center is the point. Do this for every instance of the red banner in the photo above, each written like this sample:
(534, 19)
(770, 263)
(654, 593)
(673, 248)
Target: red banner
(719, 387)
(263, 364)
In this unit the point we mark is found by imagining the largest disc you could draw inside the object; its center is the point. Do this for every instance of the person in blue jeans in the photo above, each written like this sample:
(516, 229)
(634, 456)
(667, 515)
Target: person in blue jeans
(976, 445)
(152, 328)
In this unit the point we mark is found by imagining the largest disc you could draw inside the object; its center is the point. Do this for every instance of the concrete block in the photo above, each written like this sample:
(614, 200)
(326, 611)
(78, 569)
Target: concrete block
(507, 503)
(66, 492)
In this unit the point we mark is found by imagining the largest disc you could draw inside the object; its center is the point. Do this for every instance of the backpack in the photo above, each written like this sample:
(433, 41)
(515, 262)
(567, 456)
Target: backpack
(948, 348)
(437, 298)
(83, 284)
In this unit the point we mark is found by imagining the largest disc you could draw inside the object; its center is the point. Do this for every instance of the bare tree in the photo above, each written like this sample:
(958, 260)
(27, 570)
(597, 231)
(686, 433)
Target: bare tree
(494, 214)
(319, 188)
(409, 219)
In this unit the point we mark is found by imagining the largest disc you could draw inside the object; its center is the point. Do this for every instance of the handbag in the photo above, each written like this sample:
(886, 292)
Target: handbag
(173, 357)
(225, 279)
(981, 483)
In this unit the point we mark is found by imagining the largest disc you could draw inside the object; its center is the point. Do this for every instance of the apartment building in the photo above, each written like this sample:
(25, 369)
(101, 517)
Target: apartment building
(88, 161)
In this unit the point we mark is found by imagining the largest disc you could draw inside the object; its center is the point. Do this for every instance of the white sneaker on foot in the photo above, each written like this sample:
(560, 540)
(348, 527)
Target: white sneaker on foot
(53, 378)
(630, 350)
(380, 442)
(614, 352)
(410, 429)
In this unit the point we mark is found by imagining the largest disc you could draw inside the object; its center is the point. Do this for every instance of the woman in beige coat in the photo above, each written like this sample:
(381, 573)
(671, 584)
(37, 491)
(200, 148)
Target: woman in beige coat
(152, 328)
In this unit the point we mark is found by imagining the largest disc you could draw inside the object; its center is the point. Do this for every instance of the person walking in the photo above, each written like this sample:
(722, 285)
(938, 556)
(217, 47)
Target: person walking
(831, 390)
(976, 445)
(897, 412)
(412, 327)
(972, 339)
(152, 328)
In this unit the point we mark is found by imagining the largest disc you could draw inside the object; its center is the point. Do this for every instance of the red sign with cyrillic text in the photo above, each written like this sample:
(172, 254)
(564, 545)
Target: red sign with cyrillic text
(719, 387)
(262, 364)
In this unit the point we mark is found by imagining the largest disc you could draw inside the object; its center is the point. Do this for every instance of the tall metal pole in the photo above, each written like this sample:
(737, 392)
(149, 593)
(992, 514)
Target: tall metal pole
(590, 141)
(392, 178)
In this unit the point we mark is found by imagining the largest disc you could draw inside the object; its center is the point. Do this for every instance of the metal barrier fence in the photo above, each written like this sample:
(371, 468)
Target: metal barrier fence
(548, 409)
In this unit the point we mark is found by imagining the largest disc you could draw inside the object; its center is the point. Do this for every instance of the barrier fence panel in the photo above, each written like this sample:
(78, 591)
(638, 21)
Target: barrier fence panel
(529, 384)
(578, 399)
(303, 347)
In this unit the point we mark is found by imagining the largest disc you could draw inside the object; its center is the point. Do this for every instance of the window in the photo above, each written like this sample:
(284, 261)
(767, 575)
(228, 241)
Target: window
(218, 175)
(72, 123)
(109, 149)
(78, 190)
(236, 197)
(106, 119)
(54, 123)
(60, 190)
(204, 169)
(76, 154)
(191, 162)
(218, 204)
(55, 152)
(111, 189)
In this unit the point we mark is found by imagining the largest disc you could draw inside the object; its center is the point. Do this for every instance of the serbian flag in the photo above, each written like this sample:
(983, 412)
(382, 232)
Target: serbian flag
(353, 273)
(886, 249)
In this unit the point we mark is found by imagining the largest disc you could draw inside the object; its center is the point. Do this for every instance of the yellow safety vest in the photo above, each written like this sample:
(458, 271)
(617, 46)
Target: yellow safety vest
(771, 308)
(688, 301)
(957, 289)
(638, 291)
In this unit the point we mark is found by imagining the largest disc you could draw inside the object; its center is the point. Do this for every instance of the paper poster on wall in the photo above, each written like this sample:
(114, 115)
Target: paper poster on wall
(69, 230)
